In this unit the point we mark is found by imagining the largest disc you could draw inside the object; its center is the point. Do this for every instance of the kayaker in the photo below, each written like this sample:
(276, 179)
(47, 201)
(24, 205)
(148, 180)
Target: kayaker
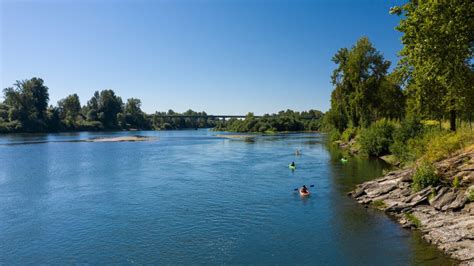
(304, 189)
(292, 164)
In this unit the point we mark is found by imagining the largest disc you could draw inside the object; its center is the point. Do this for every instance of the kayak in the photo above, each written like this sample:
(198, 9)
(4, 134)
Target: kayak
(344, 160)
(303, 193)
(292, 167)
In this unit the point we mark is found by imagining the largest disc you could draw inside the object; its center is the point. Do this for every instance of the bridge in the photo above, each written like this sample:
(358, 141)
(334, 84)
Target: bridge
(224, 117)
(205, 116)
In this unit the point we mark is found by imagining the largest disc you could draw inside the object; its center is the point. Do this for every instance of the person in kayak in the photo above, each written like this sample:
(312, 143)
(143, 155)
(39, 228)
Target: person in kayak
(293, 164)
(304, 189)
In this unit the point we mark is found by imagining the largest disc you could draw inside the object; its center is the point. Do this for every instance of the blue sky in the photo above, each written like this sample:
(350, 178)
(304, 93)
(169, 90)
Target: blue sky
(219, 56)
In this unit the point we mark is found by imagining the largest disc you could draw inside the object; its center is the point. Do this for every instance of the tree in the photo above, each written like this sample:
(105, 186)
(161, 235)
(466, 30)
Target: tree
(27, 101)
(133, 114)
(91, 108)
(69, 109)
(361, 87)
(109, 105)
(437, 54)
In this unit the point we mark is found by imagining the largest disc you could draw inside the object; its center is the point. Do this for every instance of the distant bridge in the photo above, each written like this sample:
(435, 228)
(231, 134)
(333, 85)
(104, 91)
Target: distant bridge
(205, 116)
(218, 116)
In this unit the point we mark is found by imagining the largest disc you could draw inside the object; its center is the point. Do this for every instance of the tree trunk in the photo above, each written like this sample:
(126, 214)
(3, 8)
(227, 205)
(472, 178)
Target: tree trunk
(452, 120)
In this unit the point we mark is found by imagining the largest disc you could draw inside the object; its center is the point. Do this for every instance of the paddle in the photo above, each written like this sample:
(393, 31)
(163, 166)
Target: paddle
(296, 189)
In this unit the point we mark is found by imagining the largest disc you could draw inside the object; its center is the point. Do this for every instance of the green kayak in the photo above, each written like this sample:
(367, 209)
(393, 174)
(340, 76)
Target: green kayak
(344, 160)
(292, 167)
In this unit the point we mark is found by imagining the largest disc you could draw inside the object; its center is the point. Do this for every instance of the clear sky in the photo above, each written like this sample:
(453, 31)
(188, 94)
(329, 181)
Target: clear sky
(219, 56)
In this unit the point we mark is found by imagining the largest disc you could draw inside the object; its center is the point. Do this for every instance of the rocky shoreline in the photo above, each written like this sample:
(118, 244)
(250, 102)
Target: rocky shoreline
(444, 214)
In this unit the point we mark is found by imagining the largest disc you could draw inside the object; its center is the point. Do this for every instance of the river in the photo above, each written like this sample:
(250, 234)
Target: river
(192, 198)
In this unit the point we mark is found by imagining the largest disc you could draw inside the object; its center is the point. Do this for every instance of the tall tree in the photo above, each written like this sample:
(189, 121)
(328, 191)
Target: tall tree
(69, 109)
(438, 39)
(109, 106)
(133, 114)
(27, 102)
(360, 86)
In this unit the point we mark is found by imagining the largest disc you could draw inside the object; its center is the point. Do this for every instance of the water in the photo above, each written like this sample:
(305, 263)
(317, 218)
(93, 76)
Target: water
(191, 198)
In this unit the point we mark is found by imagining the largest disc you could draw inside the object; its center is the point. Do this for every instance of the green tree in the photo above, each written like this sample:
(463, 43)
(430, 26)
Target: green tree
(109, 106)
(133, 114)
(91, 109)
(361, 87)
(437, 55)
(69, 110)
(27, 101)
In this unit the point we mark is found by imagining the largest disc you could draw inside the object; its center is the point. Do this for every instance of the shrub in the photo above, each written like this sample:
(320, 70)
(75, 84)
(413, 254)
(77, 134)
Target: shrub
(90, 126)
(443, 144)
(470, 193)
(409, 129)
(334, 135)
(376, 139)
(349, 134)
(424, 176)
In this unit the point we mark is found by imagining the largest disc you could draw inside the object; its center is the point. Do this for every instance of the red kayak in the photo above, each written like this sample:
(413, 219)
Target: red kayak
(304, 193)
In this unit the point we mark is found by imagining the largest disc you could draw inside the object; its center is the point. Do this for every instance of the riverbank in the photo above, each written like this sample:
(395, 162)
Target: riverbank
(444, 214)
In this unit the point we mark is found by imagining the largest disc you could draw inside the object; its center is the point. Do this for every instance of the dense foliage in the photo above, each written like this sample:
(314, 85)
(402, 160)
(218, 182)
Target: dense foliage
(25, 109)
(188, 119)
(283, 121)
(403, 112)
(436, 59)
(376, 139)
(363, 93)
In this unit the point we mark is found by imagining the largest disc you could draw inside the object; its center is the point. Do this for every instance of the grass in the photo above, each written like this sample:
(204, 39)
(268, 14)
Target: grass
(456, 182)
(379, 204)
(412, 218)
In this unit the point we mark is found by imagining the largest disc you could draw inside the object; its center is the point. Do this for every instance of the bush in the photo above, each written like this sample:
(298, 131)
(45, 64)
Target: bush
(349, 134)
(409, 129)
(89, 126)
(443, 144)
(470, 194)
(376, 139)
(424, 176)
(334, 135)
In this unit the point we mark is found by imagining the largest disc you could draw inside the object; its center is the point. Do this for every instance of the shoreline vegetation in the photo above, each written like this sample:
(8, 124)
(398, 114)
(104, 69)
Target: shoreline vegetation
(25, 109)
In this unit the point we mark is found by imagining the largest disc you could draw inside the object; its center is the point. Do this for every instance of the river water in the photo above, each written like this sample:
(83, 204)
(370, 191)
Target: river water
(192, 198)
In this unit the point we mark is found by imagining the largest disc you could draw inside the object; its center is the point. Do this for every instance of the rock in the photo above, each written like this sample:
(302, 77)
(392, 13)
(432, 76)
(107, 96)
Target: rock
(382, 189)
(447, 219)
(391, 159)
(357, 193)
(459, 202)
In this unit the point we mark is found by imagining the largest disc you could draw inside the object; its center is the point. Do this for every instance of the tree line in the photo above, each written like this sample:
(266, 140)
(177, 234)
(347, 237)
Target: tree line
(25, 109)
(288, 120)
(433, 80)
